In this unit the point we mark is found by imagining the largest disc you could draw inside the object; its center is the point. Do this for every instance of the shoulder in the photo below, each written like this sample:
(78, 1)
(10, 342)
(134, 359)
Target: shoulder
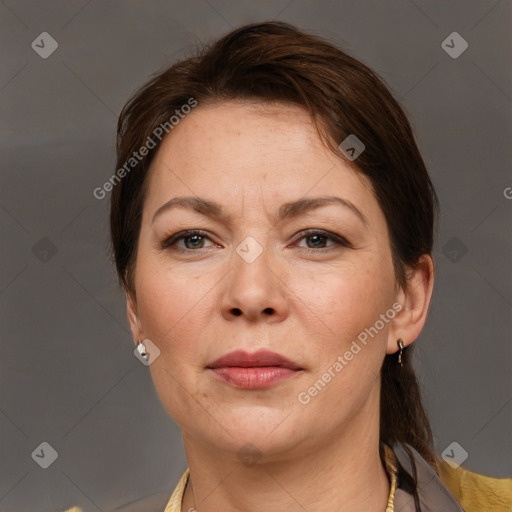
(174, 503)
(476, 492)
(448, 488)
(155, 502)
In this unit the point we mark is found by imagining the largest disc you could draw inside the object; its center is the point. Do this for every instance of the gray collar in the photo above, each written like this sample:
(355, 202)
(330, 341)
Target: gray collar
(433, 494)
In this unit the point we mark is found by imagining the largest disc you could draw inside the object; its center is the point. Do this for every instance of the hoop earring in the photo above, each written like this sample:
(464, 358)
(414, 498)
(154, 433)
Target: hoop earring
(400, 343)
(141, 349)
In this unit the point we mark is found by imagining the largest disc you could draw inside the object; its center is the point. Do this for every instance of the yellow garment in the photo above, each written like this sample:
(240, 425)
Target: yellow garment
(475, 492)
(174, 504)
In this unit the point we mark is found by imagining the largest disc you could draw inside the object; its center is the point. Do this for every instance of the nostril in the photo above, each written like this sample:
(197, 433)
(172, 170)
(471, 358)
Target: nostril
(236, 312)
(268, 311)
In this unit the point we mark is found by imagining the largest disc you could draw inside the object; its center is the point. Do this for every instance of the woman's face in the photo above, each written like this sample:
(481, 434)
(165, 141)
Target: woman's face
(271, 269)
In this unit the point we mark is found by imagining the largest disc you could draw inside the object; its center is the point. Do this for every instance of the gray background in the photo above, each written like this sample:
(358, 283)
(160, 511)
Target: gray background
(68, 373)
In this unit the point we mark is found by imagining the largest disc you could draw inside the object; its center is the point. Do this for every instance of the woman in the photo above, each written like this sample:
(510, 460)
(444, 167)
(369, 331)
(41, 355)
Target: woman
(272, 224)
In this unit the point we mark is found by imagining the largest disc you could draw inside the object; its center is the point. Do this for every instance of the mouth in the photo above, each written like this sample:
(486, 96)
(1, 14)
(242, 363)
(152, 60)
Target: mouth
(253, 371)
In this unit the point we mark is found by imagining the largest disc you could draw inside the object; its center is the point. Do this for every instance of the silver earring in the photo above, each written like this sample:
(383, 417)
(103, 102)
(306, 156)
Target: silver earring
(141, 349)
(400, 343)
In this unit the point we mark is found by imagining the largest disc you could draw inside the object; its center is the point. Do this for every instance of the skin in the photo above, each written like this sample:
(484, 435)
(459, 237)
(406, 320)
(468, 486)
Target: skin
(306, 298)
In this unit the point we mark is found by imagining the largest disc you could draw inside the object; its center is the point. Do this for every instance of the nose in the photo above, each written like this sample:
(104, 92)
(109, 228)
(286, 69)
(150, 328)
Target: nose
(255, 290)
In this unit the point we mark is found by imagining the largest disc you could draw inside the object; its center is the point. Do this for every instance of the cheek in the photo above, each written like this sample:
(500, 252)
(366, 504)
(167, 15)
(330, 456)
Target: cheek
(173, 305)
(174, 312)
(347, 359)
(338, 303)
(338, 308)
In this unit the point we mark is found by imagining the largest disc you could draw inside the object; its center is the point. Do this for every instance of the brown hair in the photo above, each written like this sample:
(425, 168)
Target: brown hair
(275, 62)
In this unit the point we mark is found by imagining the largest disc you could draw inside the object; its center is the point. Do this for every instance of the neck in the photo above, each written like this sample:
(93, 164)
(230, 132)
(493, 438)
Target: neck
(342, 476)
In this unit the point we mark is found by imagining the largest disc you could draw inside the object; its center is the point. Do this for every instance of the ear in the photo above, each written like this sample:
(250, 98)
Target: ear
(415, 300)
(133, 319)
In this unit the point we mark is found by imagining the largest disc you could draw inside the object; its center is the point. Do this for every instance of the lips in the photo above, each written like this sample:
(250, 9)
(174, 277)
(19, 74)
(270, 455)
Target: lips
(257, 371)
(261, 358)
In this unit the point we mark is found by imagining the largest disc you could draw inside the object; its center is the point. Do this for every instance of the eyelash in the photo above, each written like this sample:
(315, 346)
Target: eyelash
(170, 242)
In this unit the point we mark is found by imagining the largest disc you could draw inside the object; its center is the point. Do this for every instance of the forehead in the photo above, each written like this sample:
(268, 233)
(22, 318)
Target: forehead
(236, 130)
(236, 150)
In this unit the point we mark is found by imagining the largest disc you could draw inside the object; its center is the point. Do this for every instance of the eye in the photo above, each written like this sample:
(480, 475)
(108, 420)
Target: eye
(192, 238)
(317, 239)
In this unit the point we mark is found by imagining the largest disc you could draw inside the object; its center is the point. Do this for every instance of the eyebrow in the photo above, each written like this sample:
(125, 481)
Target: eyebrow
(287, 210)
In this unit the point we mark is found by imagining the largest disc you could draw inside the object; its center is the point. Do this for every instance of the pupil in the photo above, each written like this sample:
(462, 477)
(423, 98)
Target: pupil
(197, 238)
(318, 239)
